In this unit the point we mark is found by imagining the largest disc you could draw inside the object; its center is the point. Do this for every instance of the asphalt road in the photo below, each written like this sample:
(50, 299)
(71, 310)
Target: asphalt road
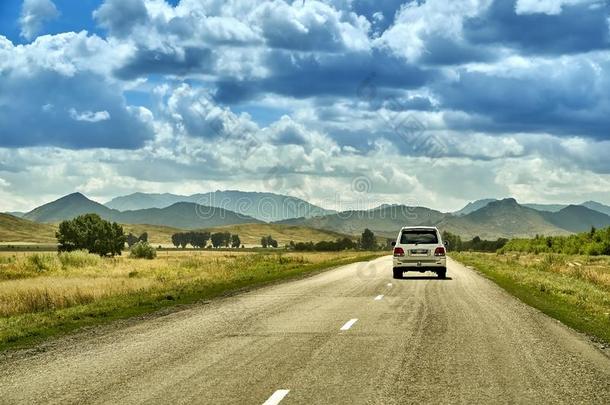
(348, 336)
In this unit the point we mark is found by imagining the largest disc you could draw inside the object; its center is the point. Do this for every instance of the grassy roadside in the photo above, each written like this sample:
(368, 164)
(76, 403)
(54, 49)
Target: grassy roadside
(572, 289)
(46, 295)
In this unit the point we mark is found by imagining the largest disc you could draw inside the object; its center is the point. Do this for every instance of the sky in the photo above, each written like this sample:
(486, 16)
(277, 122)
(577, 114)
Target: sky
(345, 103)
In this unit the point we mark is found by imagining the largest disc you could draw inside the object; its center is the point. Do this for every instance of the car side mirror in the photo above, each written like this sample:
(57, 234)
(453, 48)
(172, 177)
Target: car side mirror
(393, 243)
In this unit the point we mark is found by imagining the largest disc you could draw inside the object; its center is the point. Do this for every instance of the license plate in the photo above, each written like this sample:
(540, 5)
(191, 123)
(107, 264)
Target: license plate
(419, 251)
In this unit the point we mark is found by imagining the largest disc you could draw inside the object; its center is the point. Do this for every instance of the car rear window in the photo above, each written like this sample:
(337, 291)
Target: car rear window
(418, 237)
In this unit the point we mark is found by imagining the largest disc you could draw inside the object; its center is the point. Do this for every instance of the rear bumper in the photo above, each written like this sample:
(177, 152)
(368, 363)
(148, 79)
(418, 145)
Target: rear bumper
(412, 263)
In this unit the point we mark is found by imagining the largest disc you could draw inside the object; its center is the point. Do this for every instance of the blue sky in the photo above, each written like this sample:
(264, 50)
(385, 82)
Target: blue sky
(430, 102)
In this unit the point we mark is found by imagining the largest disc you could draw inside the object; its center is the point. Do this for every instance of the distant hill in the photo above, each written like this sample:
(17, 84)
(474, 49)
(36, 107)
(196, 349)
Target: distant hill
(140, 201)
(68, 207)
(17, 214)
(604, 209)
(576, 218)
(13, 229)
(384, 221)
(478, 204)
(546, 207)
(179, 215)
(473, 206)
(502, 218)
(268, 207)
(184, 215)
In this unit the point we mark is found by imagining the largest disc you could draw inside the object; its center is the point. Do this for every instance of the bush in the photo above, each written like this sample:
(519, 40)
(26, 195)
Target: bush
(143, 250)
(42, 262)
(78, 259)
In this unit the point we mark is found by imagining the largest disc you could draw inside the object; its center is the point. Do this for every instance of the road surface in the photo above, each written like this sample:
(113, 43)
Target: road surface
(348, 336)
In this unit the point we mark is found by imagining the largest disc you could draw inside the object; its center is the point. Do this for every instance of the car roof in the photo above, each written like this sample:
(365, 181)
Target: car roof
(423, 228)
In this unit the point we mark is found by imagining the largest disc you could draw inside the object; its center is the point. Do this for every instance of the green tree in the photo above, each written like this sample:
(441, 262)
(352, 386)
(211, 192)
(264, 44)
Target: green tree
(218, 239)
(90, 232)
(268, 241)
(226, 239)
(176, 240)
(368, 240)
(235, 241)
(131, 239)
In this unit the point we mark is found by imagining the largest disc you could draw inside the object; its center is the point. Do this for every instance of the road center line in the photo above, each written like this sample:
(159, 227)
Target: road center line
(349, 324)
(277, 397)
(379, 297)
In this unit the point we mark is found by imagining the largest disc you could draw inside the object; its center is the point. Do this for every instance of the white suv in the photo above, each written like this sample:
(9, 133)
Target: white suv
(419, 248)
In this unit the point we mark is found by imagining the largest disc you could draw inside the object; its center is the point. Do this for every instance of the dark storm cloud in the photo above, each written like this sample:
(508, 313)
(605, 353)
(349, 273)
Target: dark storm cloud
(175, 61)
(574, 103)
(578, 28)
(446, 51)
(308, 75)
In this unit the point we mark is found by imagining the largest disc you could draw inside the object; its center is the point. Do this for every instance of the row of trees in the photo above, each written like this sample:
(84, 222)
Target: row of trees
(268, 241)
(476, 244)
(593, 243)
(200, 239)
(90, 232)
(324, 246)
(367, 241)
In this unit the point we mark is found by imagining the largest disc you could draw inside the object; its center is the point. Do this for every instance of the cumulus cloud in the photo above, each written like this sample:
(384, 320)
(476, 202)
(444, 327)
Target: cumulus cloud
(311, 25)
(566, 97)
(457, 100)
(119, 17)
(569, 26)
(34, 13)
(61, 99)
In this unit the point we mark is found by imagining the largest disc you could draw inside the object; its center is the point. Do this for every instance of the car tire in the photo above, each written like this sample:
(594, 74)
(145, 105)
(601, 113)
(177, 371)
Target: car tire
(442, 273)
(397, 272)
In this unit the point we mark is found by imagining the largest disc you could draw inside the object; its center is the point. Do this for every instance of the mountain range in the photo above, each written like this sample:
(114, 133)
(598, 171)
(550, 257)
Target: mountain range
(496, 219)
(267, 207)
(488, 219)
(183, 215)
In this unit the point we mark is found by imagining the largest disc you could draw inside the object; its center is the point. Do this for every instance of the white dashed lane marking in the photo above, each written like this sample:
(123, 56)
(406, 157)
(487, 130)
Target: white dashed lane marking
(349, 324)
(277, 397)
(378, 298)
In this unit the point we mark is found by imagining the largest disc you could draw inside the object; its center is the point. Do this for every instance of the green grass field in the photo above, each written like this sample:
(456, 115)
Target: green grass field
(48, 294)
(572, 289)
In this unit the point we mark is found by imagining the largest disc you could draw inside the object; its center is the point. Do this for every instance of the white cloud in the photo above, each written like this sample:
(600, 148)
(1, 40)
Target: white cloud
(416, 20)
(89, 116)
(551, 7)
(34, 13)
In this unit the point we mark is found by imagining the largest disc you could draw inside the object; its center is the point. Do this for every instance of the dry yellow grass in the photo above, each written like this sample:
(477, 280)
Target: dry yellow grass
(43, 294)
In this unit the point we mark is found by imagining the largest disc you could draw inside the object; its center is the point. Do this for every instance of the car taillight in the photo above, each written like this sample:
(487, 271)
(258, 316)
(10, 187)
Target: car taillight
(440, 251)
(398, 251)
